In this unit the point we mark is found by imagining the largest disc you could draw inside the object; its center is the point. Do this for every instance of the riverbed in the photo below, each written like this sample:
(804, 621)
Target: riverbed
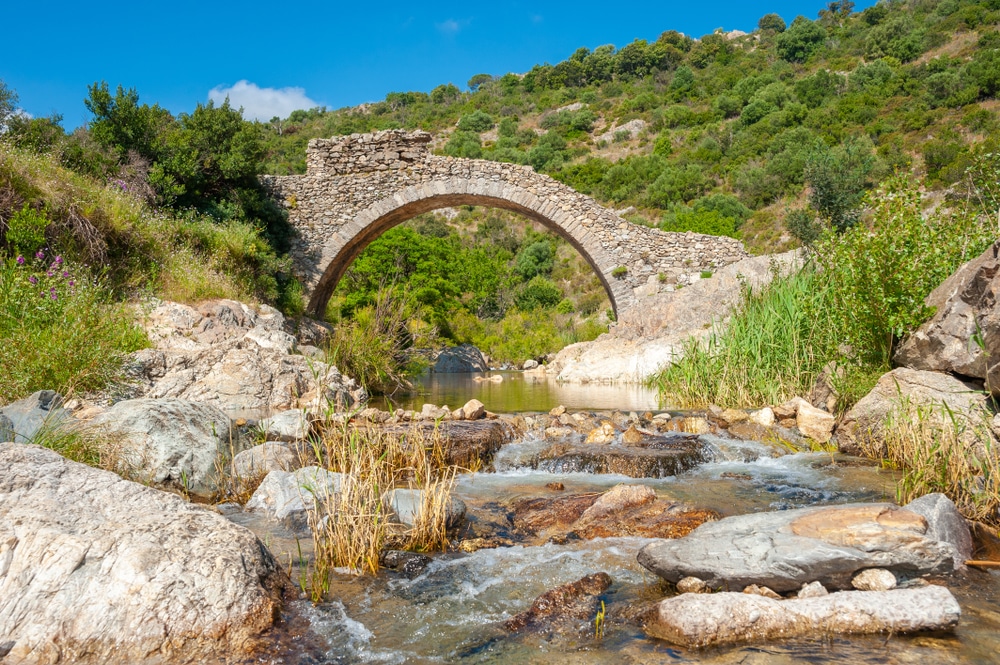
(453, 611)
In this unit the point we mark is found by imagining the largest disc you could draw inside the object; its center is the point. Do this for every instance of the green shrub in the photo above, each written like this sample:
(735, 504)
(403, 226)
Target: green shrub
(58, 328)
(26, 231)
(619, 272)
(477, 121)
(538, 292)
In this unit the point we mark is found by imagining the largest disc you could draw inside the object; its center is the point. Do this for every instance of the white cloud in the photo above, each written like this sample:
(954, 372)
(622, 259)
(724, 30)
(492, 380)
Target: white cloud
(451, 26)
(262, 103)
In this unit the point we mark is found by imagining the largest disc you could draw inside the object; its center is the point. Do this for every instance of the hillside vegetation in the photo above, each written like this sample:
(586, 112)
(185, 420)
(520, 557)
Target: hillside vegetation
(779, 137)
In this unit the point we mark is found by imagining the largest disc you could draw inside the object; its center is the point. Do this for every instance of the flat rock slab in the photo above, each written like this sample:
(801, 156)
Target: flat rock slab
(97, 569)
(656, 457)
(701, 620)
(291, 496)
(467, 443)
(21, 420)
(786, 549)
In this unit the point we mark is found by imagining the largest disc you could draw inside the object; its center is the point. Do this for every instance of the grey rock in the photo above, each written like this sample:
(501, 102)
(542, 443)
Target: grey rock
(260, 460)
(171, 442)
(290, 497)
(6, 429)
(410, 564)
(235, 357)
(529, 364)
(700, 620)
(28, 415)
(963, 336)
(786, 549)
(406, 504)
(97, 569)
(459, 359)
(866, 420)
(874, 579)
(945, 523)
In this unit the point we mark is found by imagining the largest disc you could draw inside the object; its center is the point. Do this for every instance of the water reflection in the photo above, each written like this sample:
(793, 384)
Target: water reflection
(519, 392)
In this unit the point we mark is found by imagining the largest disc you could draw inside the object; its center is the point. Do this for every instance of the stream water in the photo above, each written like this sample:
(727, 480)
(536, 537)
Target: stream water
(453, 611)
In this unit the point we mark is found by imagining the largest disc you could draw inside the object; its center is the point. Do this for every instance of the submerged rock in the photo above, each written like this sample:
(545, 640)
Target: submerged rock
(701, 620)
(172, 442)
(577, 600)
(97, 569)
(786, 549)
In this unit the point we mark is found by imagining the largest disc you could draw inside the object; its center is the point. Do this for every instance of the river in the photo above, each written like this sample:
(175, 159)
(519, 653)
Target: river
(452, 612)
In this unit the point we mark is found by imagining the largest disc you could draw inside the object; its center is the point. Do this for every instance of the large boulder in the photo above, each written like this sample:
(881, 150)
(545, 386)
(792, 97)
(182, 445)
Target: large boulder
(407, 504)
(946, 524)
(170, 442)
(784, 550)
(701, 620)
(235, 357)
(97, 569)
(21, 420)
(653, 333)
(900, 393)
(459, 359)
(261, 460)
(963, 336)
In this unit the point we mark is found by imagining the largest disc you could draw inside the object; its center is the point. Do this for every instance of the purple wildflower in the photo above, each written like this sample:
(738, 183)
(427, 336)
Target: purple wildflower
(40, 255)
(65, 273)
(72, 283)
(33, 279)
(52, 294)
(49, 274)
(58, 260)
(20, 260)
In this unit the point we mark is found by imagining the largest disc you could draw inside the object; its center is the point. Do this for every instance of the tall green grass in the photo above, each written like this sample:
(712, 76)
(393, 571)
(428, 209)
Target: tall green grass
(861, 294)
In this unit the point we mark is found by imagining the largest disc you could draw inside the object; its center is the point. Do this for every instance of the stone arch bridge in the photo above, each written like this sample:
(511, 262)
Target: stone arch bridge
(357, 187)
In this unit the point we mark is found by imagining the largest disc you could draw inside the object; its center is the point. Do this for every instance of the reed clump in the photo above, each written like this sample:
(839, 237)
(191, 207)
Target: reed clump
(938, 450)
(355, 524)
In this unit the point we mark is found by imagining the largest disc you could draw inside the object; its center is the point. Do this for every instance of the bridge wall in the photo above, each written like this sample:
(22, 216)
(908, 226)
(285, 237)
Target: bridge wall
(358, 186)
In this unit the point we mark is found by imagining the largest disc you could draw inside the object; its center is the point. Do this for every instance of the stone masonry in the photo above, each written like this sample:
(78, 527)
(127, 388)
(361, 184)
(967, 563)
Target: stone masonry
(357, 187)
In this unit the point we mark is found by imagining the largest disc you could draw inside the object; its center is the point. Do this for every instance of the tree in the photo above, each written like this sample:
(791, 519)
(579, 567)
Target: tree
(771, 23)
(8, 104)
(535, 259)
(838, 179)
(800, 40)
(123, 125)
(478, 80)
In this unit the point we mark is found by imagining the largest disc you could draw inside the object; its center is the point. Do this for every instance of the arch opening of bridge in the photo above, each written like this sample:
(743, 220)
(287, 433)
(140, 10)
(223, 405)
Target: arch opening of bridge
(357, 187)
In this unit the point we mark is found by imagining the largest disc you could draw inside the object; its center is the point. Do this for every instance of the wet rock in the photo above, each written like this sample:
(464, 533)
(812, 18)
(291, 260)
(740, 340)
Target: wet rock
(529, 364)
(786, 549)
(700, 620)
(750, 431)
(97, 569)
(865, 423)
(812, 590)
(558, 432)
(578, 600)
(557, 411)
(410, 564)
(626, 510)
(763, 417)
(291, 496)
(406, 505)
(945, 523)
(234, 357)
(692, 585)
(172, 442)
(292, 425)
(963, 336)
(814, 423)
(757, 590)
(25, 417)
(261, 460)
(460, 359)
(555, 487)
(470, 545)
(874, 579)
(787, 410)
(603, 434)
(657, 457)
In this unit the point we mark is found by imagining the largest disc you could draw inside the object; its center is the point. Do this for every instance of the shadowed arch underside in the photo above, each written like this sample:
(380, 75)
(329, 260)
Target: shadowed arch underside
(343, 247)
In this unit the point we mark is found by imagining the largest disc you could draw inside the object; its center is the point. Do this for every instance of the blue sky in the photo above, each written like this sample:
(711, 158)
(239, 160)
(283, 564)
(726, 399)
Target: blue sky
(300, 54)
